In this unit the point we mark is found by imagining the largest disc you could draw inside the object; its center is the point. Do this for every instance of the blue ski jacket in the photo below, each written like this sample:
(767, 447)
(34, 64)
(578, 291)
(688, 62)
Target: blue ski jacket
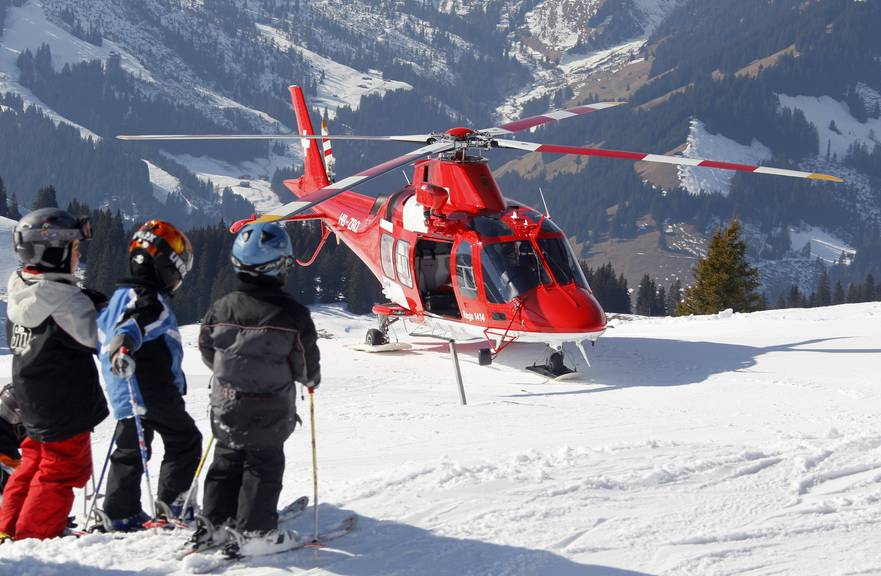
(142, 315)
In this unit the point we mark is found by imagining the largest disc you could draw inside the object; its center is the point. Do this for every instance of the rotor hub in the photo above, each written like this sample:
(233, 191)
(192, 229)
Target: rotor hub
(460, 133)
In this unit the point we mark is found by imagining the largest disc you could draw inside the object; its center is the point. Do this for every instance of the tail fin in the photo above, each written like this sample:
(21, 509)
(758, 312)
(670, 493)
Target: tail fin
(329, 160)
(314, 174)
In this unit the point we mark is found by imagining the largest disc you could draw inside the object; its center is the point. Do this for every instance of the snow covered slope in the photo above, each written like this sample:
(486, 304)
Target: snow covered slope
(727, 444)
(566, 41)
(703, 144)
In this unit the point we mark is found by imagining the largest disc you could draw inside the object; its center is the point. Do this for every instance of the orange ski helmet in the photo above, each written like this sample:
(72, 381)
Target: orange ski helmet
(168, 248)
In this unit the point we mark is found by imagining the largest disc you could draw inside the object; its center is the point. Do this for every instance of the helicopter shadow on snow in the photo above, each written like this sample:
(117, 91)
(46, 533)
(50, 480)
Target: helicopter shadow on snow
(380, 547)
(643, 362)
(517, 356)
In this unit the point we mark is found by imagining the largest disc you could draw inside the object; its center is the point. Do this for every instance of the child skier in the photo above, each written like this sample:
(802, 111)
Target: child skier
(141, 347)
(258, 341)
(11, 435)
(51, 331)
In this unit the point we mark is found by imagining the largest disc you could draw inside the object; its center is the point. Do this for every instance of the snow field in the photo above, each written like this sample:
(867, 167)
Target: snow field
(822, 111)
(712, 445)
(702, 144)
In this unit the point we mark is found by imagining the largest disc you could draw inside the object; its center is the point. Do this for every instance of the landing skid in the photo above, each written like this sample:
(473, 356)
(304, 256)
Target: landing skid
(387, 347)
(377, 339)
(554, 366)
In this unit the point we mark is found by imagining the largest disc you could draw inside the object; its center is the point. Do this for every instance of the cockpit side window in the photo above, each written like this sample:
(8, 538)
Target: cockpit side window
(465, 271)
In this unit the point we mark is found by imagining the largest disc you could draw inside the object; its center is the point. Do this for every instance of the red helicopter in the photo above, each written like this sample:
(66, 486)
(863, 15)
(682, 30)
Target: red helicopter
(453, 255)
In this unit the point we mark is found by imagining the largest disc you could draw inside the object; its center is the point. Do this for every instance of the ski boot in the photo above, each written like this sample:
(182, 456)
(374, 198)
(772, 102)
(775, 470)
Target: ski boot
(4, 537)
(260, 543)
(207, 535)
(133, 523)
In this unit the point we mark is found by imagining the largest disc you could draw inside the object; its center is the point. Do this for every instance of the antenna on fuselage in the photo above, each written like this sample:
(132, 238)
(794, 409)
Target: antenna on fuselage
(547, 212)
(405, 177)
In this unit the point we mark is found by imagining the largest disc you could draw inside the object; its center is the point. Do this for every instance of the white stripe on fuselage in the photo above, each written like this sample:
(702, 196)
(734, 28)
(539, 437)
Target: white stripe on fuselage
(448, 328)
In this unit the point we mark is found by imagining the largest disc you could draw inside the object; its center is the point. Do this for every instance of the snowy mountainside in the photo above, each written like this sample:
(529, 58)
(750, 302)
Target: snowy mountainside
(720, 445)
(703, 144)
(566, 41)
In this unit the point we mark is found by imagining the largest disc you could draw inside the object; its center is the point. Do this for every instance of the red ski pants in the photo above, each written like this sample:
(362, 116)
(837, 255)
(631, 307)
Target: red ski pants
(39, 495)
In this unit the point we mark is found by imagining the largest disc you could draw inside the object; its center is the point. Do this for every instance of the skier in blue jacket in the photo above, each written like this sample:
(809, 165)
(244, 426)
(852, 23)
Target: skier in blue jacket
(140, 343)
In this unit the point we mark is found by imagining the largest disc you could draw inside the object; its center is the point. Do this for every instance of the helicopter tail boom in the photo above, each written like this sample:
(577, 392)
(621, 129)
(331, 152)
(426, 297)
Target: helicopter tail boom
(314, 173)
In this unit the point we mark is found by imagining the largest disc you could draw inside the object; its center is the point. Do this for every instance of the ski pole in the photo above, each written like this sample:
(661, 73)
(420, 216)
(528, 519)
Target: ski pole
(314, 463)
(142, 444)
(98, 487)
(198, 473)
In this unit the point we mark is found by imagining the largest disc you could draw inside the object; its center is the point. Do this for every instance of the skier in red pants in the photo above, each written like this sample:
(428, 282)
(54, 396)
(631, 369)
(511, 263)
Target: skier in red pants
(52, 333)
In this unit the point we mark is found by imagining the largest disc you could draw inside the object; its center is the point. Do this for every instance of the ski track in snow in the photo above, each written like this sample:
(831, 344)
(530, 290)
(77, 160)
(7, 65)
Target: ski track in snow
(713, 445)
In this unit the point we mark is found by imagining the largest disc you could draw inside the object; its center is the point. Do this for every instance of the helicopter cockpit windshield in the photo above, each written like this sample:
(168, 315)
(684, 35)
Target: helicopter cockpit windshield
(511, 269)
(562, 262)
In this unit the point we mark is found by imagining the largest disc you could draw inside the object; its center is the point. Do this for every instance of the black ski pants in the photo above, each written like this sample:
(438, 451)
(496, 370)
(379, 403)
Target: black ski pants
(242, 487)
(183, 445)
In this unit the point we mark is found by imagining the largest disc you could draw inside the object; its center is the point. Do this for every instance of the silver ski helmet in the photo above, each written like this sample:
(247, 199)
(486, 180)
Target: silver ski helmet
(263, 249)
(43, 238)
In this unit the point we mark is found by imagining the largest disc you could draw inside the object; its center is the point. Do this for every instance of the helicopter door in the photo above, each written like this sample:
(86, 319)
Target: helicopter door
(434, 277)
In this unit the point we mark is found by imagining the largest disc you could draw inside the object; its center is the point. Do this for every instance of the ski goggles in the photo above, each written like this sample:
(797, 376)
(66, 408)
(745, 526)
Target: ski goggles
(280, 265)
(55, 237)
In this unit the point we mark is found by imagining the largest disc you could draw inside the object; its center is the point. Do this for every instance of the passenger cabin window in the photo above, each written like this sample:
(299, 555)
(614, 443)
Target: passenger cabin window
(402, 261)
(465, 271)
(386, 253)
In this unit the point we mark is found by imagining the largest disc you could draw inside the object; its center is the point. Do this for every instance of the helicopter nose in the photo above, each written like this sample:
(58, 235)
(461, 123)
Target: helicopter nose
(564, 309)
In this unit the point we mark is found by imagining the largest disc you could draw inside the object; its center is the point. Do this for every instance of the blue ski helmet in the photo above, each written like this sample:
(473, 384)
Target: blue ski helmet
(262, 249)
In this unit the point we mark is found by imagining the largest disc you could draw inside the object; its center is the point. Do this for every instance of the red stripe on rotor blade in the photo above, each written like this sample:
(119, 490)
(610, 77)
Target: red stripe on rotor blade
(727, 166)
(526, 123)
(553, 148)
(582, 110)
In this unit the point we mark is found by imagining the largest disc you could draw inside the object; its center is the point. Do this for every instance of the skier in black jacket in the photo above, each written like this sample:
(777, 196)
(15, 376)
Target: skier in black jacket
(51, 331)
(141, 347)
(258, 341)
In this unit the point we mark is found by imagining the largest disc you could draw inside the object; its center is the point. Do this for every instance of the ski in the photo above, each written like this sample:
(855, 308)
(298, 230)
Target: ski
(289, 512)
(203, 564)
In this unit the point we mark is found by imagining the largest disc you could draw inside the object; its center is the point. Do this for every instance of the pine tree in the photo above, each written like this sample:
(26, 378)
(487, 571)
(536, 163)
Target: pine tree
(660, 304)
(611, 292)
(724, 278)
(645, 296)
(854, 293)
(795, 299)
(46, 198)
(674, 296)
(14, 212)
(4, 202)
(870, 290)
(824, 292)
(838, 294)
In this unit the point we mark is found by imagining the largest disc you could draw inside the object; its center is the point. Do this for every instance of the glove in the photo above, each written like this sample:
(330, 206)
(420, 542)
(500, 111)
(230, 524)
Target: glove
(122, 364)
(9, 410)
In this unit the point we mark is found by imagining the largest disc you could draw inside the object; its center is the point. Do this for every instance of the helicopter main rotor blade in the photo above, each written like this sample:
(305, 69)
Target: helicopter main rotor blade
(323, 194)
(161, 137)
(552, 116)
(423, 138)
(662, 159)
